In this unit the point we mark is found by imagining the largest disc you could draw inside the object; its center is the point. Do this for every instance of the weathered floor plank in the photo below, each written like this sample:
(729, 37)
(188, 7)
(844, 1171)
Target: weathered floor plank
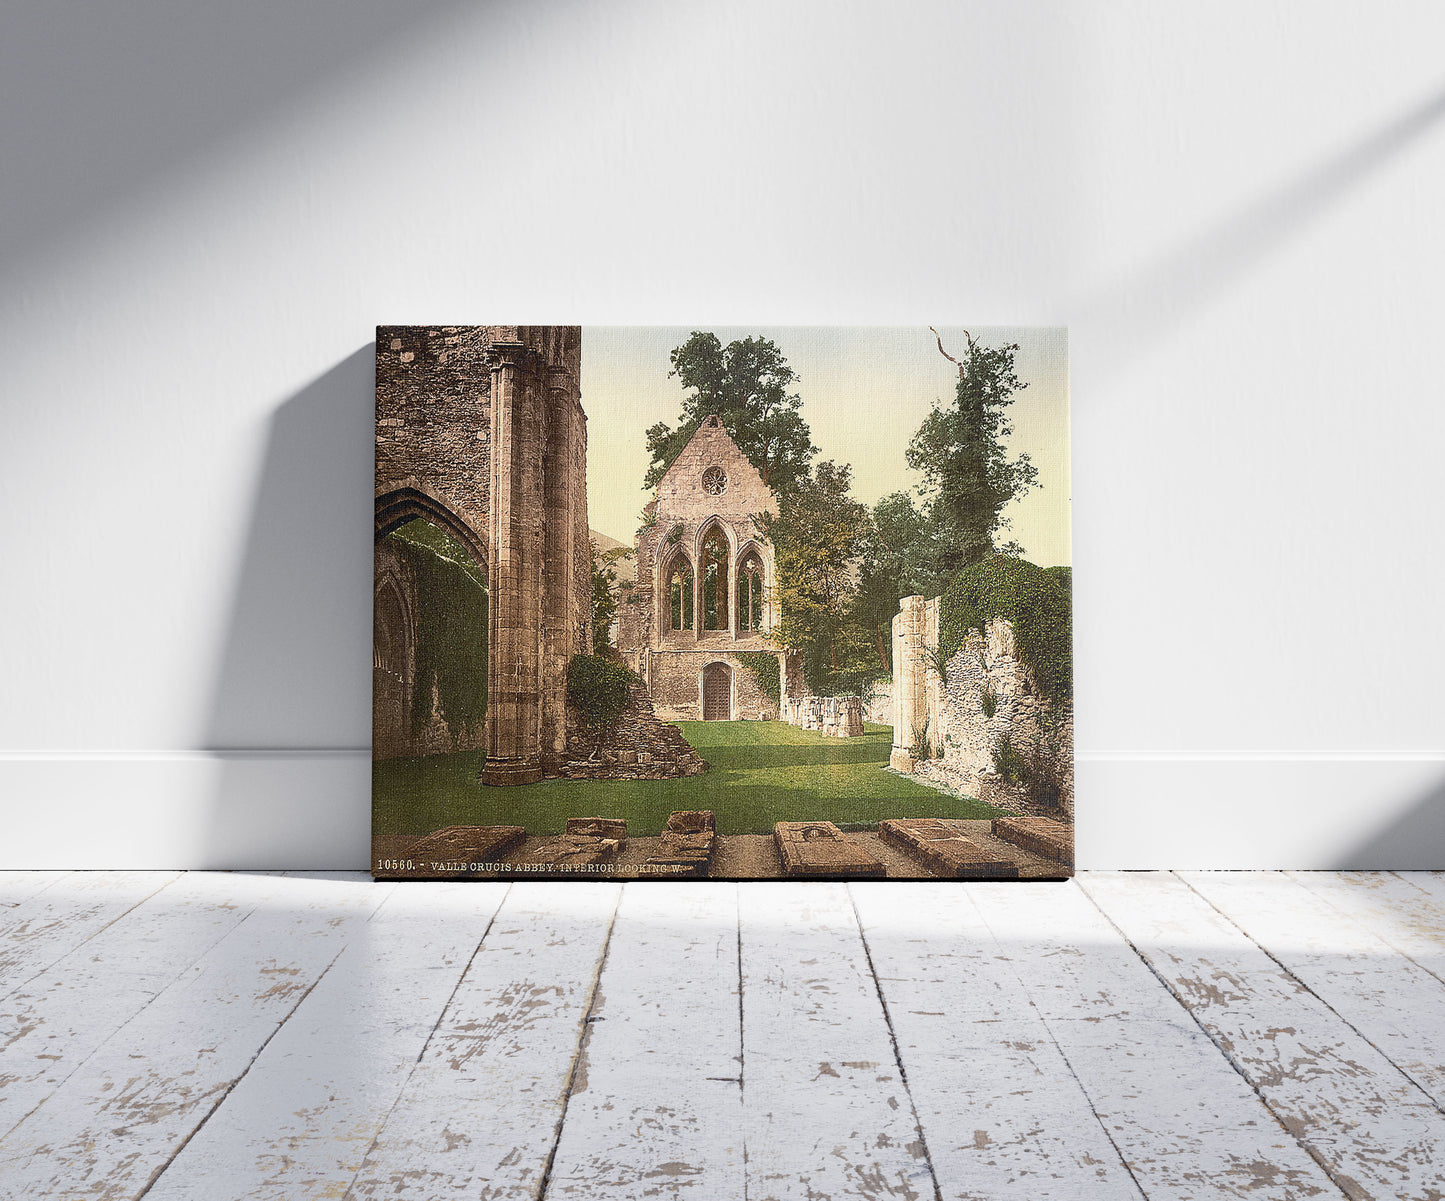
(50, 1025)
(480, 1114)
(1001, 1112)
(16, 887)
(1186, 1124)
(1405, 909)
(300, 1122)
(123, 1114)
(826, 1110)
(1392, 1002)
(49, 924)
(1367, 1123)
(656, 1110)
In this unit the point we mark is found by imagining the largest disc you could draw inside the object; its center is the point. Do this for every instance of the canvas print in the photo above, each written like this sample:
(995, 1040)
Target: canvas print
(729, 604)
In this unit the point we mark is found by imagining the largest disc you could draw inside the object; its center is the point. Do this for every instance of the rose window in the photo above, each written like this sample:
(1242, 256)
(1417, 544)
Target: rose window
(714, 480)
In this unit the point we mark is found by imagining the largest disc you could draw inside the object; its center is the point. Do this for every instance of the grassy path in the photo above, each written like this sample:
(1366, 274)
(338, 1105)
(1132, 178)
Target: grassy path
(762, 772)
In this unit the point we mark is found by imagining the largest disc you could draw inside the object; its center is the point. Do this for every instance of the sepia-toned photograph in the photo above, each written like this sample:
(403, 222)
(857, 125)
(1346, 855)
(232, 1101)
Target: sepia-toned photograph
(735, 604)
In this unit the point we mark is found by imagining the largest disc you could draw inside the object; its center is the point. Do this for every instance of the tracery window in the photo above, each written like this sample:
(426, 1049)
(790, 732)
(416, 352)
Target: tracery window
(750, 593)
(715, 581)
(679, 588)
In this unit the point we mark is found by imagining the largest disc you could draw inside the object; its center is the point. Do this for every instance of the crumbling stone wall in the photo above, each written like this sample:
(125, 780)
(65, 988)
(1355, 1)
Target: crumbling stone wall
(397, 602)
(950, 726)
(838, 716)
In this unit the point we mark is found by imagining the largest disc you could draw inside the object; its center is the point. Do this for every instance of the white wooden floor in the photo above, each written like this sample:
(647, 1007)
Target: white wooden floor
(1260, 1035)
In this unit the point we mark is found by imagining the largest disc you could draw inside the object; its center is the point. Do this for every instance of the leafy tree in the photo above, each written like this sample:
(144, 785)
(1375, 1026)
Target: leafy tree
(746, 383)
(895, 559)
(815, 542)
(604, 596)
(959, 448)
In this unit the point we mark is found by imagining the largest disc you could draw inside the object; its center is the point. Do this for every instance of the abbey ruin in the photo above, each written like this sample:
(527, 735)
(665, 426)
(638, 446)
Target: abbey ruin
(481, 434)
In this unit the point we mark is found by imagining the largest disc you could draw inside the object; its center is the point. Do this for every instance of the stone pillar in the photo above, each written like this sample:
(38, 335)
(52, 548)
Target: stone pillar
(910, 705)
(561, 560)
(581, 611)
(514, 711)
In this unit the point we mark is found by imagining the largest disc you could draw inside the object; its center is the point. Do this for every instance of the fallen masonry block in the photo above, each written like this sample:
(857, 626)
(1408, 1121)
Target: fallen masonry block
(942, 844)
(1042, 835)
(687, 844)
(464, 848)
(691, 821)
(598, 827)
(572, 851)
(821, 849)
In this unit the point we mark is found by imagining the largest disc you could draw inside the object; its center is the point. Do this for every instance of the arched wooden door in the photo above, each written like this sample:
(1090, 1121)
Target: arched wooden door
(717, 692)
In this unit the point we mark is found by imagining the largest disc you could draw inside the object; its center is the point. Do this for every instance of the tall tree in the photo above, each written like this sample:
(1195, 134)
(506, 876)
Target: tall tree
(815, 541)
(746, 383)
(895, 559)
(968, 477)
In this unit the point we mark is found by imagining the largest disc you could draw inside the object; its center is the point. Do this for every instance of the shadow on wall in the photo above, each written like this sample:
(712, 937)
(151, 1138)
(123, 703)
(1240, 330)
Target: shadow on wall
(1153, 302)
(1414, 841)
(290, 719)
(127, 93)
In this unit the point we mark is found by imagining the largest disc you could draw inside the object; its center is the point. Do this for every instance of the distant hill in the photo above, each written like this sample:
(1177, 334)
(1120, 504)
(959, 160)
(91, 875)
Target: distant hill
(626, 568)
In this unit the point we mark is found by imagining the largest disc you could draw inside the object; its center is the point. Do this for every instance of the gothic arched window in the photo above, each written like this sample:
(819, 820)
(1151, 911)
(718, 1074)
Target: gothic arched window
(750, 593)
(679, 593)
(715, 581)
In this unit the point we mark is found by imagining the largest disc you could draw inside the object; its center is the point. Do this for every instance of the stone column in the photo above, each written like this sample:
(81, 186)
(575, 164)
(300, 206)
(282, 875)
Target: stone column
(514, 712)
(581, 608)
(560, 561)
(910, 705)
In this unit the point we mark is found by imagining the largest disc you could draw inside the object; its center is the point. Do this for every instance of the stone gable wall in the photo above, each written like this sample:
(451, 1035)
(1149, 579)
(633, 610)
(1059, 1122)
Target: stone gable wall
(678, 519)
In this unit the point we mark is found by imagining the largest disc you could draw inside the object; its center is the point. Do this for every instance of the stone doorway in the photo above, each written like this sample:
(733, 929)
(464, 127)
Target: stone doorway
(717, 692)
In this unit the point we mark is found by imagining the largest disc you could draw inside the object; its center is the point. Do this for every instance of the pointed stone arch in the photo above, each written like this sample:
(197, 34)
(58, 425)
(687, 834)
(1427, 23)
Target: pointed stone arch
(715, 558)
(400, 505)
(676, 593)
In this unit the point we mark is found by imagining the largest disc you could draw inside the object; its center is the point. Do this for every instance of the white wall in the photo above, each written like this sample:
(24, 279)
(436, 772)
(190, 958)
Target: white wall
(1236, 207)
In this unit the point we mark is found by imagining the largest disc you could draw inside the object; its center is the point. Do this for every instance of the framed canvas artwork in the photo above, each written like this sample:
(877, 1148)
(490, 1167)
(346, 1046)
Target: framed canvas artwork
(715, 603)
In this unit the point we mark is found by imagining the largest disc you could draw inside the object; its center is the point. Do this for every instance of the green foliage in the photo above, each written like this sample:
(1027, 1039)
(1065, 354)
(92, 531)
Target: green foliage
(600, 687)
(894, 561)
(1011, 766)
(815, 540)
(605, 595)
(921, 747)
(763, 667)
(988, 701)
(746, 383)
(968, 477)
(451, 646)
(1032, 599)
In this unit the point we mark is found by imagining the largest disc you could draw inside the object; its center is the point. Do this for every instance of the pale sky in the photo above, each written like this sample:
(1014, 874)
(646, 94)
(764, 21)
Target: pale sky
(865, 392)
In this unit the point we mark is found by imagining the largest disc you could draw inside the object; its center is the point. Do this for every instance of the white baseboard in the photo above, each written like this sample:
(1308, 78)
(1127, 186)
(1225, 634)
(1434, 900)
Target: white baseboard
(263, 809)
(1302, 810)
(311, 809)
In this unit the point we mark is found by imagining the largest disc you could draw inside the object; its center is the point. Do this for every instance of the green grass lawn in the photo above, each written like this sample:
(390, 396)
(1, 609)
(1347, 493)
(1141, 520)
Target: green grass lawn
(761, 772)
